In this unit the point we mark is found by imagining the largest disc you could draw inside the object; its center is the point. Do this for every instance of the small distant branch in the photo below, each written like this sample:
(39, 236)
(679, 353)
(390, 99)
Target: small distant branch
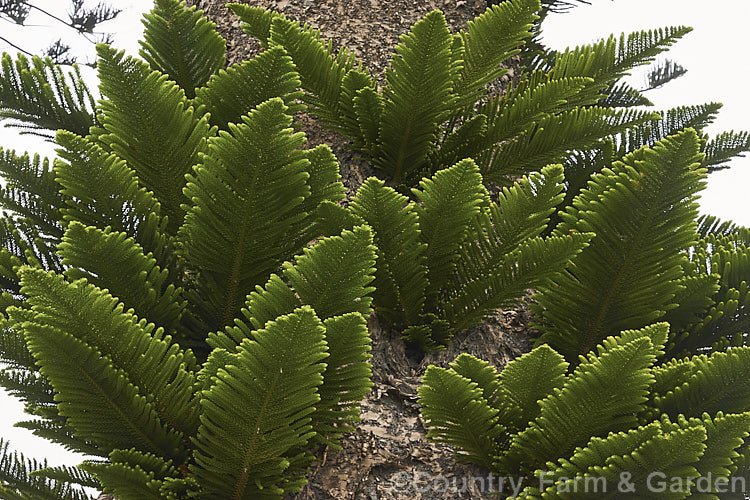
(16, 46)
(81, 19)
(662, 73)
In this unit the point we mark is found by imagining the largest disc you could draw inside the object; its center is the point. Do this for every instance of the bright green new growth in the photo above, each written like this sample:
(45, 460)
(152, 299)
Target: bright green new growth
(567, 431)
(450, 258)
(136, 325)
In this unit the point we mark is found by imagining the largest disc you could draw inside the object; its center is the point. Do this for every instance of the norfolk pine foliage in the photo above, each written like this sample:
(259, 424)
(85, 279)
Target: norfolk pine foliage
(592, 402)
(453, 256)
(148, 319)
(434, 108)
(167, 345)
(560, 427)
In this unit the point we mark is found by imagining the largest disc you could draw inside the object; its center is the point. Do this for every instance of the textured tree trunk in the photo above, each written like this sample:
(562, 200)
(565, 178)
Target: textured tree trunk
(388, 456)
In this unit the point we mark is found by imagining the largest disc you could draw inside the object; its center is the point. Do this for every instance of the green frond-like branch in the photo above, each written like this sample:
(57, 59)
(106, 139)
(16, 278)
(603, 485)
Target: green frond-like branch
(449, 201)
(458, 413)
(256, 21)
(610, 59)
(31, 193)
(18, 480)
(525, 382)
(338, 268)
(670, 122)
(29, 386)
(635, 454)
(55, 428)
(417, 97)
(583, 407)
(346, 380)
(552, 138)
(325, 187)
(642, 212)
(502, 255)
(724, 147)
(333, 276)
(67, 474)
(535, 97)
(125, 482)
(148, 122)
(40, 99)
(24, 241)
(573, 436)
(96, 398)
(234, 92)
(341, 265)
(400, 276)
(130, 473)
(725, 435)
(447, 260)
(114, 261)
(31, 226)
(521, 213)
(246, 194)
(715, 384)
(714, 311)
(256, 415)
(181, 43)
(101, 190)
(488, 40)
(622, 95)
(321, 71)
(141, 362)
(535, 264)
(677, 451)
(712, 225)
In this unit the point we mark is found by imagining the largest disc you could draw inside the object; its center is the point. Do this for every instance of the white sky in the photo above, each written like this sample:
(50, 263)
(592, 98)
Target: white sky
(714, 55)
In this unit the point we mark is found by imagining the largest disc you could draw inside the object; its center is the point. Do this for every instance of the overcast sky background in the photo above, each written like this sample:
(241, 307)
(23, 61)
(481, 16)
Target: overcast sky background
(714, 55)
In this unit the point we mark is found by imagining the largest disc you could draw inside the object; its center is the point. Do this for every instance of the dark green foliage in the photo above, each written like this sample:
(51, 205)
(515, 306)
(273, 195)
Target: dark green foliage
(725, 146)
(434, 108)
(32, 193)
(40, 98)
(447, 260)
(659, 399)
(128, 261)
(17, 484)
(233, 92)
(246, 194)
(464, 419)
(154, 105)
(417, 97)
(183, 44)
(578, 440)
(240, 458)
(714, 307)
(641, 211)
